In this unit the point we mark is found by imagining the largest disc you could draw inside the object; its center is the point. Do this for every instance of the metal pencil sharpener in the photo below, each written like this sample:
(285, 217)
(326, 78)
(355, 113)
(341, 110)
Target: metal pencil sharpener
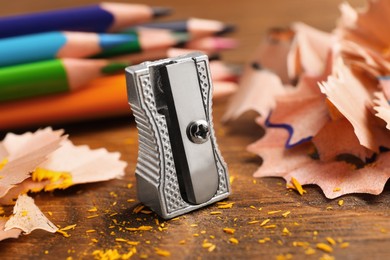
(179, 167)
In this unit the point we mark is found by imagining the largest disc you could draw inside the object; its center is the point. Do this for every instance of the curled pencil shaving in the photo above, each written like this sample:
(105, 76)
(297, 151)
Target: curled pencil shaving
(23, 153)
(341, 148)
(309, 51)
(258, 89)
(353, 99)
(27, 217)
(335, 178)
(301, 112)
(344, 142)
(67, 166)
(84, 164)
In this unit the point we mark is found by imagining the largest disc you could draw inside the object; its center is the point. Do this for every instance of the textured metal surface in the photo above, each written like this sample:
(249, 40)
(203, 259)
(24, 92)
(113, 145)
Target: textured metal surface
(158, 185)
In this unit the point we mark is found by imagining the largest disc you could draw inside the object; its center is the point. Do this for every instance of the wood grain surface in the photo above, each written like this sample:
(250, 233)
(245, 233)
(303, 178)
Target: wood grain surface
(363, 220)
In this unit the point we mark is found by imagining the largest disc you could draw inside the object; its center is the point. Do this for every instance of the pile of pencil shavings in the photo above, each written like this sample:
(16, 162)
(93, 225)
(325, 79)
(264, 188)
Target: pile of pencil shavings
(324, 101)
(44, 161)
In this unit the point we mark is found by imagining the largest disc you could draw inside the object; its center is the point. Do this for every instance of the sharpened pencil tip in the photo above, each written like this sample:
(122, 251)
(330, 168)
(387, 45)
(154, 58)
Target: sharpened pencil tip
(161, 11)
(107, 41)
(228, 28)
(181, 38)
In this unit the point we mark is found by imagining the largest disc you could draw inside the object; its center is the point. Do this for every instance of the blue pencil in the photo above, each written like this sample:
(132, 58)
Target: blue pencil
(95, 18)
(51, 45)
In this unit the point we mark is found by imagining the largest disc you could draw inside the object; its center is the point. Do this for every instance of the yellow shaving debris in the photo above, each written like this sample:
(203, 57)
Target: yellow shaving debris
(284, 257)
(327, 257)
(310, 251)
(331, 241)
(63, 233)
(231, 179)
(344, 245)
(141, 228)
(48, 213)
(90, 231)
(162, 252)
(3, 163)
(254, 181)
(129, 185)
(270, 226)
(215, 212)
(286, 231)
(211, 248)
(193, 225)
(253, 222)
(301, 244)
(336, 189)
(69, 227)
(58, 180)
(273, 212)
(226, 206)
(138, 208)
(252, 207)
(94, 240)
(233, 240)
(285, 214)
(93, 216)
(112, 254)
(340, 202)
(262, 241)
(297, 186)
(324, 247)
(2, 211)
(265, 222)
(133, 243)
(229, 230)
(94, 209)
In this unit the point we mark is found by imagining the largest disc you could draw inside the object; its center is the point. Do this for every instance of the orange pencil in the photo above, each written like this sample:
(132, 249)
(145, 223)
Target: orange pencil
(102, 98)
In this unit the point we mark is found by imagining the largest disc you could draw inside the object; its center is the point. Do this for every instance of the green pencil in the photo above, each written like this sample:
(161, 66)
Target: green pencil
(52, 76)
(146, 39)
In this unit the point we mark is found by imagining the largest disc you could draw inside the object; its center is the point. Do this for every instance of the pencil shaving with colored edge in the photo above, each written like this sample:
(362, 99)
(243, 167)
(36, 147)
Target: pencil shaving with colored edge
(330, 129)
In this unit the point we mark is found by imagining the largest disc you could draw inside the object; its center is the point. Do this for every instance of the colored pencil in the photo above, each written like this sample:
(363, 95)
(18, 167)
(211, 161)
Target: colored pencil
(194, 26)
(52, 76)
(147, 39)
(220, 70)
(95, 18)
(101, 98)
(51, 45)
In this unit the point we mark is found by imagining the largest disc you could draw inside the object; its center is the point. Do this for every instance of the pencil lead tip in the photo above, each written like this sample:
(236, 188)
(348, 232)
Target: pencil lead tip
(161, 11)
(228, 28)
(181, 38)
(108, 41)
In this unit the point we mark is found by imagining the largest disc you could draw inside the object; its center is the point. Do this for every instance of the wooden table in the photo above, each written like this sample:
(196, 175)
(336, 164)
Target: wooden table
(363, 221)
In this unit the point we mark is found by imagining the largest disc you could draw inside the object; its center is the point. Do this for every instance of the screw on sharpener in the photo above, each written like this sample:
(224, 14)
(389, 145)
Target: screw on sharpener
(179, 167)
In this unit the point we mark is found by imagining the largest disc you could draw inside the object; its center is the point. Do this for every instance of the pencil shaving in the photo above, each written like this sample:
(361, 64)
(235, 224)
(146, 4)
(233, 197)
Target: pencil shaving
(331, 128)
(27, 217)
(24, 153)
